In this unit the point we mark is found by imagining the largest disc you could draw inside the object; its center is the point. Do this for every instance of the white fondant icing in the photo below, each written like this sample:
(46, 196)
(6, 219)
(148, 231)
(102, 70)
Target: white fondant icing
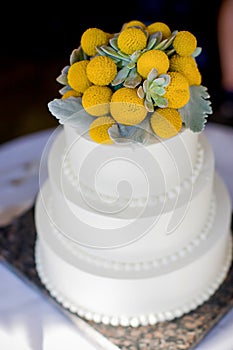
(125, 320)
(141, 268)
(134, 202)
(148, 170)
(138, 265)
(146, 227)
(135, 264)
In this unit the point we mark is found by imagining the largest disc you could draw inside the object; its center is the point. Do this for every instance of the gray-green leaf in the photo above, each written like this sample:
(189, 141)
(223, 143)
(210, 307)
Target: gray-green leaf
(77, 55)
(195, 112)
(133, 79)
(62, 78)
(70, 111)
(121, 76)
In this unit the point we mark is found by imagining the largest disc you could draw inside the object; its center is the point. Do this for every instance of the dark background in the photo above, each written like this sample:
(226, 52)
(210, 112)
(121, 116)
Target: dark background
(36, 43)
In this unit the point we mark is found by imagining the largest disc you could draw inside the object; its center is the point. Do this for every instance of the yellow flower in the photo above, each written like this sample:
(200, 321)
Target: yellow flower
(99, 129)
(159, 27)
(134, 23)
(126, 107)
(152, 59)
(73, 93)
(77, 76)
(131, 39)
(187, 66)
(166, 122)
(91, 38)
(185, 43)
(101, 70)
(177, 92)
(109, 36)
(96, 99)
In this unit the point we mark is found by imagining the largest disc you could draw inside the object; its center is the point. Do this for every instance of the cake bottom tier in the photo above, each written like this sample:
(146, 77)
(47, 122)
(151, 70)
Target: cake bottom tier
(134, 298)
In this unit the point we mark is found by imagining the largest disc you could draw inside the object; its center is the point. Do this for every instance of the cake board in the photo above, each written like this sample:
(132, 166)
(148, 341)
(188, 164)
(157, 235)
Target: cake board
(17, 241)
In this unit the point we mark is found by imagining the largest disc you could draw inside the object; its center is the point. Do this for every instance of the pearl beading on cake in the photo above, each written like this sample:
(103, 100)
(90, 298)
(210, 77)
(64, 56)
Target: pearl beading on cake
(138, 202)
(153, 264)
(140, 320)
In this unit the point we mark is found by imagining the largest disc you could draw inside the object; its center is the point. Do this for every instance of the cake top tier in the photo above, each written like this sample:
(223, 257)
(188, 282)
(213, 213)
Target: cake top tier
(140, 84)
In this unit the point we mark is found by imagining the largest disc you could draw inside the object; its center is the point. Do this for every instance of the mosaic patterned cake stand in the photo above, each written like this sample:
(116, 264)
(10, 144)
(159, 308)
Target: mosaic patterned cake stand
(17, 251)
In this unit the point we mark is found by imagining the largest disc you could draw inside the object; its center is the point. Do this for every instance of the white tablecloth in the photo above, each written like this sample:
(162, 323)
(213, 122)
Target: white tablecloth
(27, 320)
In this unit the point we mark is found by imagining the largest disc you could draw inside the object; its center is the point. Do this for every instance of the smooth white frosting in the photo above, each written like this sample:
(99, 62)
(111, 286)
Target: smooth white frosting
(140, 170)
(129, 298)
(156, 262)
(136, 201)
(137, 260)
(147, 226)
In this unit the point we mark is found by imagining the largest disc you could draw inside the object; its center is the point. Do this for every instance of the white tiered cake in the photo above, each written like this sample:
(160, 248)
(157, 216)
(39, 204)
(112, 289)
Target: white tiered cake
(132, 233)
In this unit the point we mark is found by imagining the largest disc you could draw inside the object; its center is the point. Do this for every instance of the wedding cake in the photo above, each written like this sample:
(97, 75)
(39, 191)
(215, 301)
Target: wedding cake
(133, 222)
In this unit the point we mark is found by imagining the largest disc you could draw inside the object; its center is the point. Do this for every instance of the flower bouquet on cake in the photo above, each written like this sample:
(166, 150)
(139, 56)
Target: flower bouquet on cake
(140, 83)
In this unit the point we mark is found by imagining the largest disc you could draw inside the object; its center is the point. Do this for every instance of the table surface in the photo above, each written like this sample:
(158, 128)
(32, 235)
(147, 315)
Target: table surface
(28, 321)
